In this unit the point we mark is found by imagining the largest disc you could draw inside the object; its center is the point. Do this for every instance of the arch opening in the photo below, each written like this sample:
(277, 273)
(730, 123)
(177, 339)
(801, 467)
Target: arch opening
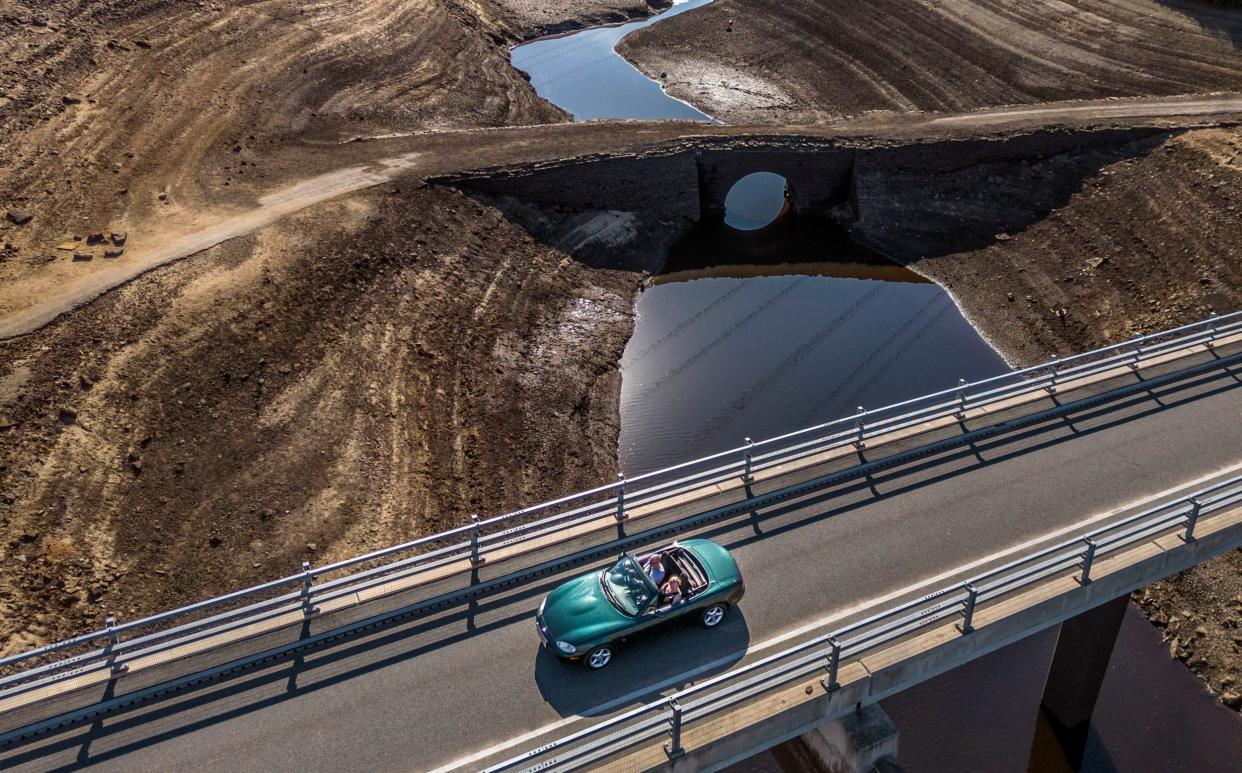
(756, 201)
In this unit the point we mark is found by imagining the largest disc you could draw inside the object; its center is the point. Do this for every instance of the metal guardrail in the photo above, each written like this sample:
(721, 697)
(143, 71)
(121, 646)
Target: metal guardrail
(303, 594)
(825, 655)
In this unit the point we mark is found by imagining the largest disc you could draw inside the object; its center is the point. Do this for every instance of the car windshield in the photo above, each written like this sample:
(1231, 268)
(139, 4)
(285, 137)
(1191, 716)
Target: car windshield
(628, 586)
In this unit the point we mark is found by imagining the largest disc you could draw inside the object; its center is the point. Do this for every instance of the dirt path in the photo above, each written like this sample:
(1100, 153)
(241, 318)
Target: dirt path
(41, 297)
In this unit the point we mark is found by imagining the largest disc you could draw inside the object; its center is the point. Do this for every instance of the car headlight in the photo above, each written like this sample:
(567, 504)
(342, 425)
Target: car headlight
(542, 604)
(565, 647)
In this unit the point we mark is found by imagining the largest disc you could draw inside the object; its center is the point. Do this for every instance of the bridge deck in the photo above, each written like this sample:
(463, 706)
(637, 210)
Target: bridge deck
(426, 693)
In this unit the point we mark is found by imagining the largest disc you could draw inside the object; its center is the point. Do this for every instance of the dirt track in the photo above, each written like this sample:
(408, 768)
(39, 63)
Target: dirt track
(809, 61)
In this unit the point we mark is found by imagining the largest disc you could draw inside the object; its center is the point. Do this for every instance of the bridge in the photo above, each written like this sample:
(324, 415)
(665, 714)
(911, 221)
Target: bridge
(879, 550)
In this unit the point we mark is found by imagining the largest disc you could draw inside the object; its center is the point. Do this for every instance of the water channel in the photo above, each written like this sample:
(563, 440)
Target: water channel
(581, 73)
(727, 345)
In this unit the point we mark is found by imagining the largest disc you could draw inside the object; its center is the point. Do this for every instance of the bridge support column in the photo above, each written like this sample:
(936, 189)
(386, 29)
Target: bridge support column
(1079, 664)
(861, 742)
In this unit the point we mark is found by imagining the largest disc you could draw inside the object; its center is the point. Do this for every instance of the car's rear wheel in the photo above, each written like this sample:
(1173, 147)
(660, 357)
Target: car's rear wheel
(712, 616)
(598, 657)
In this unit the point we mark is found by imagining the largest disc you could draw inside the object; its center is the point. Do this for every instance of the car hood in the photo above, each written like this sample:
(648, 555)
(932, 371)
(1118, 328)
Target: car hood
(578, 611)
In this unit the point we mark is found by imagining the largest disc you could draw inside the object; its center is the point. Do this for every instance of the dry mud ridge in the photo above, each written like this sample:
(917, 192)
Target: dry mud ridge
(219, 421)
(807, 61)
(383, 364)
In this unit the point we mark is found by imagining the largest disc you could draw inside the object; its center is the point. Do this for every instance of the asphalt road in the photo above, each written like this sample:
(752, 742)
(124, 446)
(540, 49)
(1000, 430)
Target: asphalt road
(436, 691)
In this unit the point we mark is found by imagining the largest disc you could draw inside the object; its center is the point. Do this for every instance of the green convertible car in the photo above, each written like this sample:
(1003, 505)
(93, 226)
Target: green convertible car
(588, 617)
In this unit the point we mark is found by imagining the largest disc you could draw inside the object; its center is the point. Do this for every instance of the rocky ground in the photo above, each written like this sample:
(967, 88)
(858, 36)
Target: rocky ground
(808, 61)
(219, 421)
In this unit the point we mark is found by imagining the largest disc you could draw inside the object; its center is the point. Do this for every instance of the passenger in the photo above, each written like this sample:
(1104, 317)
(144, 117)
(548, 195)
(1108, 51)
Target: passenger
(654, 567)
(670, 592)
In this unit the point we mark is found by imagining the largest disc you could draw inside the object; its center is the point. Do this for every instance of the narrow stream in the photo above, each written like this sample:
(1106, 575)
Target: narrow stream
(725, 347)
(581, 73)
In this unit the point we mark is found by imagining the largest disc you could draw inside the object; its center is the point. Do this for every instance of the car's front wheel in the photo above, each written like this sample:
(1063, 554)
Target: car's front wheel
(598, 657)
(712, 616)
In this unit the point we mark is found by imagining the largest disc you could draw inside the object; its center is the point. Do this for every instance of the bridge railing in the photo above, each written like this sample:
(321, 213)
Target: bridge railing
(312, 590)
(824, 656)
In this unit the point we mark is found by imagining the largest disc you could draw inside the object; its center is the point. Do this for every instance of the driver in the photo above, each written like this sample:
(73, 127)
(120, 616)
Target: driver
(654, 568)
(670, 592)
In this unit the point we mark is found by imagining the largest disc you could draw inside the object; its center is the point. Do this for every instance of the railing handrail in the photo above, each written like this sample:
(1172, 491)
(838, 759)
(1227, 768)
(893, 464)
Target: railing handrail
(965, 395)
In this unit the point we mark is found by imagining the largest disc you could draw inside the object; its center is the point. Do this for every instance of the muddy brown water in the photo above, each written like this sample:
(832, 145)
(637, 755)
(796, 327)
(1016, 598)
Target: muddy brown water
(727, 347)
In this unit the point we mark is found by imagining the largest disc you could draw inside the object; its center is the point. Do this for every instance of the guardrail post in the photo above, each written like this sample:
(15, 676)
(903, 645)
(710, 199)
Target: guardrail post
(747, 477)
(673, 747)
(1211, 342)
(308, 579)
(475, 558)
(1138, 351)
(968, 609)
(1191, 519)
(834, 665)
(114, 640)
(621, 516)
(859, 427)
(1051, 387)
(1088, 557)
(961, 398)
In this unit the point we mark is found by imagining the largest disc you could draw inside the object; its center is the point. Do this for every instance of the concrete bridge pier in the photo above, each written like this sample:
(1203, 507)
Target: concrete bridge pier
(860, 742)
(1079, 664)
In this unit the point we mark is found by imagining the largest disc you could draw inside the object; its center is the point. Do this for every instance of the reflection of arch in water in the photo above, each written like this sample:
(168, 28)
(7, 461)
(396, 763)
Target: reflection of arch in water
(785, 366)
